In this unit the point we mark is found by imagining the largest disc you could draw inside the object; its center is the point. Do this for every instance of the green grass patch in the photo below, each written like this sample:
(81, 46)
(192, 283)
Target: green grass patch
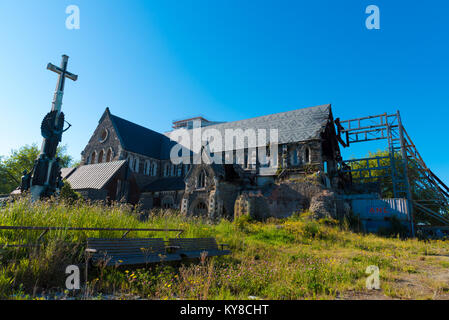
(295, 258)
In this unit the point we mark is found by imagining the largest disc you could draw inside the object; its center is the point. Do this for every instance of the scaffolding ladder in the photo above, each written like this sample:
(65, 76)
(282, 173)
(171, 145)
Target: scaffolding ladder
(402, 156)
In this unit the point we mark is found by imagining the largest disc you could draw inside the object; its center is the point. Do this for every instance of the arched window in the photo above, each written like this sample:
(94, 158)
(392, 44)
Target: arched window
(93, 157)
(136, 164)
(263, 157)
(109, 155)
(201, 183)
(179, 170)
(307, 155)
(294, 157)
(167, 170)
(130, 162)
(153, 168)
(100, 156)
(147, 167)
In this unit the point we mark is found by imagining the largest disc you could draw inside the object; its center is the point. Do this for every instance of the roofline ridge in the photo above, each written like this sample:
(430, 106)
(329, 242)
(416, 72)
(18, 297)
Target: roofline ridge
(327, 105)
(94, 164)
(136, 124)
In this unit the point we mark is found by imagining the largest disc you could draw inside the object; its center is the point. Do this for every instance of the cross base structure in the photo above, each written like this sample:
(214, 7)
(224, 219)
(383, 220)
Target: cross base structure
(45, 180)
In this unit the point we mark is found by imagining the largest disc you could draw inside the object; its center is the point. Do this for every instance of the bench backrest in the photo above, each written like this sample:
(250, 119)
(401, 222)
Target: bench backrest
(194, 244)
(125, 247)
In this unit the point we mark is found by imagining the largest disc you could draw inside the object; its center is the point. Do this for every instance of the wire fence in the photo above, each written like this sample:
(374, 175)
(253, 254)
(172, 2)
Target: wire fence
(45, 230)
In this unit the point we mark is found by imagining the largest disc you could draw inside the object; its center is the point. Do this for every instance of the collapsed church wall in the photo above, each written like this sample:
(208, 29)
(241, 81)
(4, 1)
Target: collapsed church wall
(288, 197)
(216, 197)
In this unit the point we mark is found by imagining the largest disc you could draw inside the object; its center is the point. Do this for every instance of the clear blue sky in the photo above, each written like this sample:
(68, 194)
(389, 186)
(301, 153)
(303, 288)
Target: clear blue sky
(152, 62)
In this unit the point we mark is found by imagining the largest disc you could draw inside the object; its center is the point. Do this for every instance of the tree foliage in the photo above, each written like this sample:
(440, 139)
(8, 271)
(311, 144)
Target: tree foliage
(68, 194)
(420, 189)
(379, 159)
(12, 166)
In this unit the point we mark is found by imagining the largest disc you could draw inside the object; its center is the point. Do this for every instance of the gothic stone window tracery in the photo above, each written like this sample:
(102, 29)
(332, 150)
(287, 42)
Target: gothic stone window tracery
(295, 156)
(307, 154)
(167, 170)
(100, 156)
(109, 155)
(201, 183)
(93, 158)
(130, 162)
(153, 168)
(146, 167)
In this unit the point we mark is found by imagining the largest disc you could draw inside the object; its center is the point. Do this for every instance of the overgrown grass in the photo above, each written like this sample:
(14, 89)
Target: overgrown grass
(295, 258)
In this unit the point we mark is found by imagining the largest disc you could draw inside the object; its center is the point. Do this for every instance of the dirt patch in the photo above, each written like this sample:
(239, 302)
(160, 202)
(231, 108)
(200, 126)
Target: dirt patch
(429, 280)
(363, 295)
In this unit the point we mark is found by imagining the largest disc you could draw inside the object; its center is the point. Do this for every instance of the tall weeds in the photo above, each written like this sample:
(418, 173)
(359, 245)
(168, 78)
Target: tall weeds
(295, 258)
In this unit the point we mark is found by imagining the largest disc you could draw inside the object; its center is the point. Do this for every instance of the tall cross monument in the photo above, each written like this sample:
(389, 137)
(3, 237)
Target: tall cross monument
(45, 178)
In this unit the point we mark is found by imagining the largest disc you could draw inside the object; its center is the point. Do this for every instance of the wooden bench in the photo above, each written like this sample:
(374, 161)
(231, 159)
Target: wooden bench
(194, 247)
(127, 251)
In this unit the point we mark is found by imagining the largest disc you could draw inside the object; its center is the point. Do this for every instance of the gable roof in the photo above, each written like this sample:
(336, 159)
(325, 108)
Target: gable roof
(293, 126)
(66, 172)
(296, 125)
(94, 176)
(137, 139)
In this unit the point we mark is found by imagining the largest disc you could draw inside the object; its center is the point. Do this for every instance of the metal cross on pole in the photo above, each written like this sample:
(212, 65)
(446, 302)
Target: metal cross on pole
(63, 73)
(45, 178)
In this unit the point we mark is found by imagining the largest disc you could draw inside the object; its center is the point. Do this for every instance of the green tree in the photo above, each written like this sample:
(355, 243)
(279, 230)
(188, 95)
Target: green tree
(68, 194)
(12, 167)
(421, 190)
(379, 159)
(76, 163)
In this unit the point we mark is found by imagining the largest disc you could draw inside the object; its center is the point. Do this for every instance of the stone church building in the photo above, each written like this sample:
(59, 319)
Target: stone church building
(124, 161)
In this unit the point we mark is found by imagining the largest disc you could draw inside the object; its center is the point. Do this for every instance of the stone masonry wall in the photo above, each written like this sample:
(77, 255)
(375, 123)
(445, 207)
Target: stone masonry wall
(97, 144)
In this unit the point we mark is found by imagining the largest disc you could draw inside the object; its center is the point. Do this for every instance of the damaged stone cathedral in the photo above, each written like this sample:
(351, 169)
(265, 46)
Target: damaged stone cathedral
(124, 161)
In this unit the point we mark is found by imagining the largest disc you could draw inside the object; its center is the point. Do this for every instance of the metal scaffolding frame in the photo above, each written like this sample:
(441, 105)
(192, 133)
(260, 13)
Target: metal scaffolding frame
(402, 153)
